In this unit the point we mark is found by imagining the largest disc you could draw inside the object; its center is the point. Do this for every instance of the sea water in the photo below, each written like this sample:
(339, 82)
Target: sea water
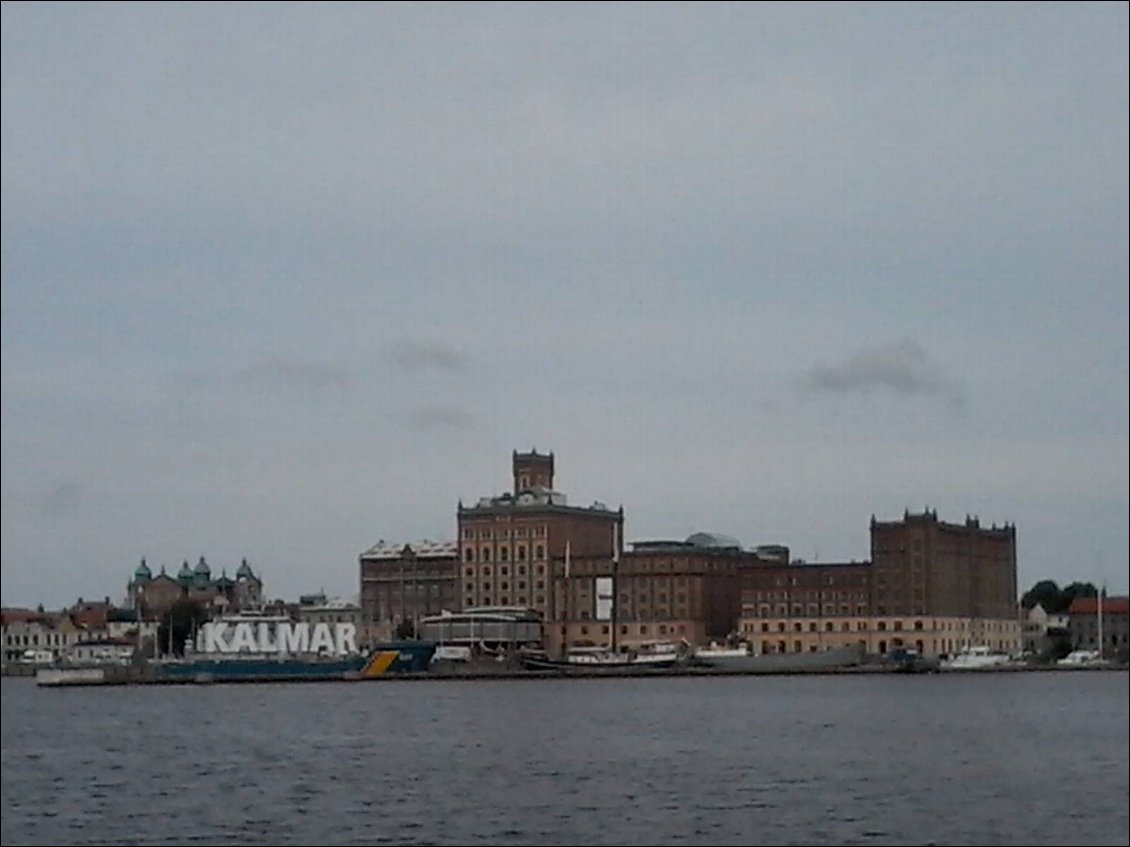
(997, 758)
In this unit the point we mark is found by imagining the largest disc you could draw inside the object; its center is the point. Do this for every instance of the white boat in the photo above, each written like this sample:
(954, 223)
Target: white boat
(589, 659)
(742, 659)
(1081, 659)
(975, 657)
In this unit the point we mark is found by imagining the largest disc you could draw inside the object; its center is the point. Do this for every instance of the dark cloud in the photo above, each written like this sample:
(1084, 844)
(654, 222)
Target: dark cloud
(440, 417)
(293, 375)
(423, 355)
(63, 498)
(903, 367)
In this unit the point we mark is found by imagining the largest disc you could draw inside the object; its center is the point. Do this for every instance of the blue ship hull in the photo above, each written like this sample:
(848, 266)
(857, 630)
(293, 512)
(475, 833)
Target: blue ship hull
(391, 658)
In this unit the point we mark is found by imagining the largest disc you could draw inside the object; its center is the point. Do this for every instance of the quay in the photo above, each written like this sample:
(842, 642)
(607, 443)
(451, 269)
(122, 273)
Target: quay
(119, 675)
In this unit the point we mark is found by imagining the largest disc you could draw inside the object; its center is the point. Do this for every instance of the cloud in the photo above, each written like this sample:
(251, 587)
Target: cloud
(293, 374)
(440, 417)
(63, 498)
(423, 355)
(903, 367)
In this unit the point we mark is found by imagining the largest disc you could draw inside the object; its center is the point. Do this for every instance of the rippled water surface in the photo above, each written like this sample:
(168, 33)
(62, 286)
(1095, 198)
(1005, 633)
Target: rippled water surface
(1025, 758)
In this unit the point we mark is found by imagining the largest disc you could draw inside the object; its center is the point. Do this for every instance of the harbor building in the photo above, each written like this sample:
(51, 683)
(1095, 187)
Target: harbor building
(923, 566)
(657, 591)
(406, 582)
(515, 545)
(1084, 629)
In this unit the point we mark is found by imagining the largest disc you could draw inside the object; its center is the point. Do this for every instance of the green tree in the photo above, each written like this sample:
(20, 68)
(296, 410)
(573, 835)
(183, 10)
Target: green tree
(1076, 589)
(1046, 593)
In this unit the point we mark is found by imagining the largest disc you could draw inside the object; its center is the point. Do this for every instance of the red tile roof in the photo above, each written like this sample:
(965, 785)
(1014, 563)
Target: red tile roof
(11, 616)
(1090, 606)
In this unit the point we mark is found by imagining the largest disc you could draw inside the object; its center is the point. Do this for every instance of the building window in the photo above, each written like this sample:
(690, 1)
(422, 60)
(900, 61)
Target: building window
(486, 554)
(540, 552)
(521, 552)
(469, 554)
(764, 626)
(504, 553)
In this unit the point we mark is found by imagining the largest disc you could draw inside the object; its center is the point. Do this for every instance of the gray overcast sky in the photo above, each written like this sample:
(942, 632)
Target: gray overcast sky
(283, 280)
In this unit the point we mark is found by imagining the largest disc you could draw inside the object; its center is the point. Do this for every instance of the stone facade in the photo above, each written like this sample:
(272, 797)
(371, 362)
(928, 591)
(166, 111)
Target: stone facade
(931, 636)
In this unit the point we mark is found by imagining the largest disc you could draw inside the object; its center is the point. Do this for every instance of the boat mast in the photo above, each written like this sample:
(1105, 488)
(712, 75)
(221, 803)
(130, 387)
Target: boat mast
(615, 575)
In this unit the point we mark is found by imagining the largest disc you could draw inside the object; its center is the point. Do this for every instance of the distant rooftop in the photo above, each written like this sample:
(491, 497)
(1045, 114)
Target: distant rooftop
(696, 541)
(424, 549)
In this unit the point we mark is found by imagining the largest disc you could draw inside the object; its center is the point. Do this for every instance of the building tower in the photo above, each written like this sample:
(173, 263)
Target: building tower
(532, 470)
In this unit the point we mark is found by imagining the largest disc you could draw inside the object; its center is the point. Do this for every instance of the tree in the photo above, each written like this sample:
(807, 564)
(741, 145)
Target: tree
(178, 624)
(406, 629)
(1076, 589)
(1045, 592)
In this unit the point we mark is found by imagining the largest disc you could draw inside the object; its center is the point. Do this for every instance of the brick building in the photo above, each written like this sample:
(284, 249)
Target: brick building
(923, 566)
(663, 590)
(514, 546)
(406, 582)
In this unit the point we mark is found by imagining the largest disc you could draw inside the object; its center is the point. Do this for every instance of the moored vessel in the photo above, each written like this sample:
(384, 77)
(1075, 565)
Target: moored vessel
(742, 659)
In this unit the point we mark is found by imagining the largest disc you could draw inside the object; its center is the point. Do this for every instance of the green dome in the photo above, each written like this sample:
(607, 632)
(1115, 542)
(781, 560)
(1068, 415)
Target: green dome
(142, 573)
(202, 568)
(244, 571)
(185, 572)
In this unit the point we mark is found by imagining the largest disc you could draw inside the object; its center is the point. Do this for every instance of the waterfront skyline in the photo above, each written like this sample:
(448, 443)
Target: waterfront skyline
(282, 281)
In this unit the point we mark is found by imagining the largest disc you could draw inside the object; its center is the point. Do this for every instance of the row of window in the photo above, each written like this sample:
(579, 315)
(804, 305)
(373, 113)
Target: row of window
(662, 629)
(488, 534)
(782, 610)
(504, 600)
(811, 595)
(502, 586)
(644, 612)
(503, 553)
(503, 570)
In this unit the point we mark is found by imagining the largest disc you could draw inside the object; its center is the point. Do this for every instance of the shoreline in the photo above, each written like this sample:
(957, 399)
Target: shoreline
(123, 675)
